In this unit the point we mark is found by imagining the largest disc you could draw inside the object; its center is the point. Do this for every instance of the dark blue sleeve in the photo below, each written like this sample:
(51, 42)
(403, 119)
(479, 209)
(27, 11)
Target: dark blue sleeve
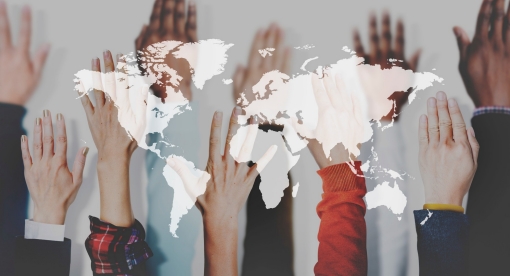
(442, 242)
(13, 189)
(41, 257)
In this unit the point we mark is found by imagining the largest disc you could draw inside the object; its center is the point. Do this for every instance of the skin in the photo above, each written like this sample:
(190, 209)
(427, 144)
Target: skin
(448, 152)
(114, 147)
(53, 187)
(169, 22)
(381, 49)
(19, 72)
(484, 61)
(228, 185)
(246, 77)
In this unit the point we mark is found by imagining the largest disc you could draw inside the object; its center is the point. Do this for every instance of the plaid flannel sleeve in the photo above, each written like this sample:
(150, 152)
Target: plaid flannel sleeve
(117, 250)
(491, 109)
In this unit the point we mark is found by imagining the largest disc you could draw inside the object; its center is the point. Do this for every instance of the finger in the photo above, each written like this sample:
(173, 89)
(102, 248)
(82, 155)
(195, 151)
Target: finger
(180, 18)
(97, 83)
(462, 41)
(232, 130)
(484, 16)
(191, 24)
(358, 46)
(423, 133)
(413, 61)
(139, 40)
(433, 123)
(386, 38)
(374, 41)
(238, 83)
(79, 165)
(286, 61)
(475, 147)
(458, 124)
(84, 98)
(498, 14)
(215, 138)
(507, 26)
(399, 41)
(155, 21)
(332, 91)
(320, 93)
(277, 58)
(270, 42)
(47, 134)
(37, 143)
(249, 142)
(141, 110)
(40, 59)
(61, 143)
(445, 121)
(109, 81)
(5, 29)
(25, 30)
(122, 84)
(25, 153)
(255, 57)
(168, 17)
(263, 161)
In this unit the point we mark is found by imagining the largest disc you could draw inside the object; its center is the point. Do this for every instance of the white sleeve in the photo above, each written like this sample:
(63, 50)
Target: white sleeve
(43, 231)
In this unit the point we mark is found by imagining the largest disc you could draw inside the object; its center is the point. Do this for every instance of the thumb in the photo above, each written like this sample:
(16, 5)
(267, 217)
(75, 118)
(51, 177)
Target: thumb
(475, 147)
(462, 41)
(79, 165)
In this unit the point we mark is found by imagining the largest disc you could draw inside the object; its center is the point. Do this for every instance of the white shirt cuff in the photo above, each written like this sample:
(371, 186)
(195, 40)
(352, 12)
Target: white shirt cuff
(44, 231)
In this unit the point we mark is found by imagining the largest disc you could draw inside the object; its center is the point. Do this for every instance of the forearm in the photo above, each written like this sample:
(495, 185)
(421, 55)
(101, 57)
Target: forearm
(220, 241)
(114, 191)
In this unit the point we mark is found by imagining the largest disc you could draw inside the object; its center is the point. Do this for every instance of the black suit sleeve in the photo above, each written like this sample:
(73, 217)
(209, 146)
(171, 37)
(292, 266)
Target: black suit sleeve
(13, 189)
(443, 244)
(489, 197)
(41, 257)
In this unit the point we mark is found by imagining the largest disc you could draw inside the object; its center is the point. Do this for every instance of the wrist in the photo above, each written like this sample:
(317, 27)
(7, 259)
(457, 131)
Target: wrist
(50, 217)
(449, 200)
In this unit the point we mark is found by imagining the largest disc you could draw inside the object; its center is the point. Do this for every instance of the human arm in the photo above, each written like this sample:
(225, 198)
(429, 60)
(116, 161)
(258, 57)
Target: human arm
(448, 160)
(227, 182)
(116, 128)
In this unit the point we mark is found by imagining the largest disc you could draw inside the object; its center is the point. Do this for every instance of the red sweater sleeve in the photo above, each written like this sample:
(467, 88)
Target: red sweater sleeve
(342, 232)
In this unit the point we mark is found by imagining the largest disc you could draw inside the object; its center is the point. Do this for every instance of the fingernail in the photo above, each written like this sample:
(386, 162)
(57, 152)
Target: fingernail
(94, 62)
(2, 4)
(106, 54)
(441, 96)
(472, 130)
(170, 162)
(423, 119)
(432, 102)
(38, 121)
(45, 113)
(237, 110)
(23, 137)
(59, 117)
(26, 9)
(85, 151)
(456, 32)
(218, 115)
(452, 103)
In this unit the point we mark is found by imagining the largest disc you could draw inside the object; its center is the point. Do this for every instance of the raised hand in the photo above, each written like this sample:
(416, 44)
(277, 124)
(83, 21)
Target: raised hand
(277, 59)
(116, 124)
(448, 152)
(340, 121)
(19, 72)
(485, 62)
(381, 49)
(53, 187)
(224, 188)
(169, 22)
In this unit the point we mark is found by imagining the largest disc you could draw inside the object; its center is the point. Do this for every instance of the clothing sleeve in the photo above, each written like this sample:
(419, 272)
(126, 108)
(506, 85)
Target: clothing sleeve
(41, 257)
(13, 189)
(488, 199)
(491, 110)
(443, 242)
(117, 250)
(44, 231)
(342, 231)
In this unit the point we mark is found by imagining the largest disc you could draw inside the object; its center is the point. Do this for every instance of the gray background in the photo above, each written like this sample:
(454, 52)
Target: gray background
(81, 30)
